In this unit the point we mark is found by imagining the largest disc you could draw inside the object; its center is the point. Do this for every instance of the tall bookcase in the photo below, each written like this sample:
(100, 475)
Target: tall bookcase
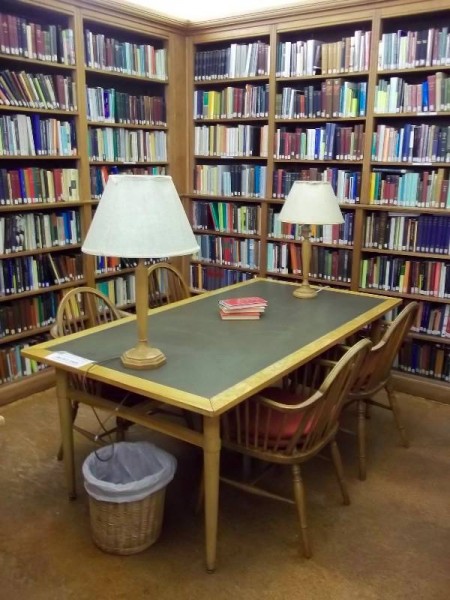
(241, 122)
(90, 79)
(340, 103)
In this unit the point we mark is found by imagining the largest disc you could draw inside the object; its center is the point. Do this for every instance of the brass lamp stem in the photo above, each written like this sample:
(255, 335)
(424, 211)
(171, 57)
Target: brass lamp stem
(305, 290)
(142, 356)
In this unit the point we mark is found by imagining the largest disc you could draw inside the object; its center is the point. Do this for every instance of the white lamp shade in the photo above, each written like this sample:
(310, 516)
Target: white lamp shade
(311, 203)
(140, 216)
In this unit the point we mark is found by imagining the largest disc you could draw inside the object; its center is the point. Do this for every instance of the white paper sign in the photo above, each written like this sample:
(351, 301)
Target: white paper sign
(67, 358)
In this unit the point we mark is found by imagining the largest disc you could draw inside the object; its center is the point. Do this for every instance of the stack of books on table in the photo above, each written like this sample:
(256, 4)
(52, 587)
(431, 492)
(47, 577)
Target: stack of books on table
(239, 309)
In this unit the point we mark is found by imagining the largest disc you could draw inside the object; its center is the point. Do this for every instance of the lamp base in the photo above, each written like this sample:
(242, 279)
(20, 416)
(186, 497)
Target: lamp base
(143, 356)
(305, 291)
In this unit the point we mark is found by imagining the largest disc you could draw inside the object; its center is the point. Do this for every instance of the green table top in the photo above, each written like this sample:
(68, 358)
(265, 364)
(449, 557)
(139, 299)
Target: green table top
(206, 356)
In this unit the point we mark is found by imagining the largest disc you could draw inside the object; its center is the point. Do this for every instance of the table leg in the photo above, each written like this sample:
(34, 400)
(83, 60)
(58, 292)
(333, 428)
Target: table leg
(65, 418)
(211, 457)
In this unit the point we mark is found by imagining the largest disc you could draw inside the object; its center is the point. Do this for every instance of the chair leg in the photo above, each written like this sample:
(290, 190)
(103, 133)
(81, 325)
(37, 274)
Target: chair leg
(392, 398)
(75, 407)
(300, 501)
(337, 462)
(362, 439)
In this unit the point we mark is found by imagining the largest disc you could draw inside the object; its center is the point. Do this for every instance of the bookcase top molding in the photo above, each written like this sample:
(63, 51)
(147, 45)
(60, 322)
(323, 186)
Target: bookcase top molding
(318, 13)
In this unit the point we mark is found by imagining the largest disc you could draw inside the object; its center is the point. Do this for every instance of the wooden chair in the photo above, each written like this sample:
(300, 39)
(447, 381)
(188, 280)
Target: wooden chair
(165, 285)
(375, 375)
(280, 427)
(80, 309)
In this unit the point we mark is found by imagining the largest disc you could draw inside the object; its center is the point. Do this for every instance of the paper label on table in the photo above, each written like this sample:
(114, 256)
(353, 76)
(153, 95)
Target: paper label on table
(67, 358)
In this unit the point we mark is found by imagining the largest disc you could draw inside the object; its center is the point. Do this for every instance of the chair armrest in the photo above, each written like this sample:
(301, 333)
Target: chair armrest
(123, 313)
(54, 331)
(280, 406)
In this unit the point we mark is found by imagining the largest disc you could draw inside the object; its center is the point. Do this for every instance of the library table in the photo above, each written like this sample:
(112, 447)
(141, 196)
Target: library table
(211, 364)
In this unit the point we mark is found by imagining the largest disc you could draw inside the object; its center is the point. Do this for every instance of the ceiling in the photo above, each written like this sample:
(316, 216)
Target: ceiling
(204, 10)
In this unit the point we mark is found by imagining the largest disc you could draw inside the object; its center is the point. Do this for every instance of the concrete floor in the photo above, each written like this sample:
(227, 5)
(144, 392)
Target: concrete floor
(393, 542)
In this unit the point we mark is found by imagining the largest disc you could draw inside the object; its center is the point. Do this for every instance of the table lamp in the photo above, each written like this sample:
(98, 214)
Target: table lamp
(140, 216)
(310, 203)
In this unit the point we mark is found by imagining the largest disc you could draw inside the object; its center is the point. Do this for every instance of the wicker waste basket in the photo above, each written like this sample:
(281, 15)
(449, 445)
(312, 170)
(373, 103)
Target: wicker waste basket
(126, 483)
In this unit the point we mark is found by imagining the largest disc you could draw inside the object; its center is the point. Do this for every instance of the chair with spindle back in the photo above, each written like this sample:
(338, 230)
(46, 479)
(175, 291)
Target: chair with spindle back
(280, 427)
(80, 309)
(376, 374)
(165, 285)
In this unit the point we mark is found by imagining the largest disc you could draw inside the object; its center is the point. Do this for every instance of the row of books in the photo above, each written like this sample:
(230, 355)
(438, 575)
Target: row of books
(397, 95)
(120, 290)
(203, 277)
(232, 102)
(221, 140)
(33, 185)
(124, 145)
(426, 360)
(99, 175)
(227, 217)
(346, 184)
(348, 55)
(414, 142)
(110, 54)
(411, 233)
(228, 251)
(22, 135)
(424, 277)
(340, 235)
(27, 273)
(112, 106)
(333, 98)
(400, 187)
(36, 230)
(432, 319)
(230, 180)
(37, 90)
(27, 314)
(331, 142)
(114, 264)
(37, 41)
(14, 366)
(234, 61)
(326, 263)
(406, 49)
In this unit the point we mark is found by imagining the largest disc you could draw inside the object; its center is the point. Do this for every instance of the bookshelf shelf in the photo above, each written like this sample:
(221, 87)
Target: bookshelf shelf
(122, 75)
(43, 290)
(430, 255)
(32, 109)
(40, 157)
(38, 206)
(419, 297)
(37, 251)
(320, 77)
(31, 331)
(44, 64)
(127, 126)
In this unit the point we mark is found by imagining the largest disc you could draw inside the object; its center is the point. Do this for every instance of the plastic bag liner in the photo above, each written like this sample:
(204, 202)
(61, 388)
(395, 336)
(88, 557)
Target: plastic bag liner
(127, 471)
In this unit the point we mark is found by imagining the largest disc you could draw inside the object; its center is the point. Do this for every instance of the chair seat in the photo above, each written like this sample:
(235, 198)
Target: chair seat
(281, 426)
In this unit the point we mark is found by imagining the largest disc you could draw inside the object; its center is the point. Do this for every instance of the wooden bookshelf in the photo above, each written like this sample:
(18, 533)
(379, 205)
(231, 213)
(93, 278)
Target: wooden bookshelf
(145, 109)
(307, 99)
(255, 210)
